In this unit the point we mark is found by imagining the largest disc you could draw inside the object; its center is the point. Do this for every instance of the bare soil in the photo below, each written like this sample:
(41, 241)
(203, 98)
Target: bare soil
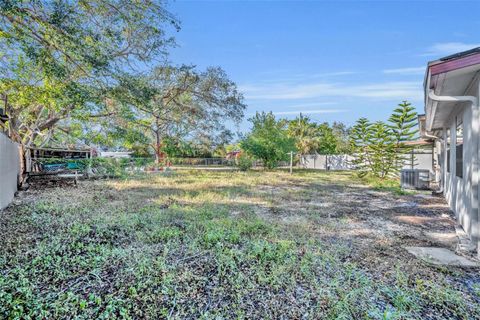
(230, 245)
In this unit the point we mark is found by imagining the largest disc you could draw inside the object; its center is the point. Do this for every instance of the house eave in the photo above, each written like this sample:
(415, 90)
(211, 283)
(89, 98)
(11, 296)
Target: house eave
(449, 76)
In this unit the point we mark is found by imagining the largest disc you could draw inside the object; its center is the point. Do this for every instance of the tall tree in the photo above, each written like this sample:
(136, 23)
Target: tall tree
(328, 141)
(360, 137)
(311, 137)
(268, 140)
(403, 126)
(182, 102)
(380, 148)
(305, 134)
(60, 58)
(341, 132)
(35, 103)
(85, 38)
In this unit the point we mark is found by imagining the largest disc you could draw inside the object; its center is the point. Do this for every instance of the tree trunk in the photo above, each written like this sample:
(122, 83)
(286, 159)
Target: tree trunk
(159, 155)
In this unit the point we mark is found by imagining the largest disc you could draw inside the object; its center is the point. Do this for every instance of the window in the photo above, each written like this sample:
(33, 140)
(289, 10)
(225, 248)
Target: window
(448, 150)
(459, 149)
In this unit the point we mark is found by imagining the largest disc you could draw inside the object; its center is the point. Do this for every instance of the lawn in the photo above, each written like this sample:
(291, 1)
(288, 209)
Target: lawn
(215, 245)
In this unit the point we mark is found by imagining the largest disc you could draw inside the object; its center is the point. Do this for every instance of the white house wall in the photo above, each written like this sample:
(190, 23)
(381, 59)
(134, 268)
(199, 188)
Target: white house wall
(459, 191)
(421, 161)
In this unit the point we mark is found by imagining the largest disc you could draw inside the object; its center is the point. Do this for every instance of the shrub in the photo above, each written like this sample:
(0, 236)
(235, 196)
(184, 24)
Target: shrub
(244, 162)
(268, 140)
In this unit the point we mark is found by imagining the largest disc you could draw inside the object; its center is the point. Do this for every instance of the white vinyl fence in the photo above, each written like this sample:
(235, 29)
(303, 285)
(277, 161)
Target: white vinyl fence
(418, 159)
(9, 169)
(327, 162)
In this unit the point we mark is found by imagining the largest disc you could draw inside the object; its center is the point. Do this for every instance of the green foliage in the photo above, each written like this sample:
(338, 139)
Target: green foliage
(244, 162)
(328, 140)
(341, 133)
(379, 147)
(157, 247)
(268, 140)
(140, 151)
(305, 134)
(61, 59)
(174, 106)
(36, 102)
(360, 140)
(384, 184)
(103, 167)
(82, 72)
(403, 126)
(320, 138)
(174, 148)
(403, 122)
(85, 39)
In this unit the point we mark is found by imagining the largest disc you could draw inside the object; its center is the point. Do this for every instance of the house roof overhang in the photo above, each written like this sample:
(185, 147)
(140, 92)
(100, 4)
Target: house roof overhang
(450, 76)
(419, 142)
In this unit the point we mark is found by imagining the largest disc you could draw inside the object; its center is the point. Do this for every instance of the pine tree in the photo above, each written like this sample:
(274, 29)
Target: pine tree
(402, 124)
(360, 136)
(382, 149)
(379, 148)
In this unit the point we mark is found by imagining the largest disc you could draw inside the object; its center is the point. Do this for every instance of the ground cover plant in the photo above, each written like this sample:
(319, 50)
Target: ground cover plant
(212, 244)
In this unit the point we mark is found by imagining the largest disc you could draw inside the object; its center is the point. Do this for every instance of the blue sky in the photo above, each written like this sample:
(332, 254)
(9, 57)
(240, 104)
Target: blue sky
(333, 61)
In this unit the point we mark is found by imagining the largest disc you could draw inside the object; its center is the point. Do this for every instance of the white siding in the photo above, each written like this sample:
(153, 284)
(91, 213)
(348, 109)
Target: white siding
(460, 192)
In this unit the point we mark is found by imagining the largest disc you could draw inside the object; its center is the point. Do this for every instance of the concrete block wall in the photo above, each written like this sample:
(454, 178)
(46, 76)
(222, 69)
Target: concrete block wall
(9, 170)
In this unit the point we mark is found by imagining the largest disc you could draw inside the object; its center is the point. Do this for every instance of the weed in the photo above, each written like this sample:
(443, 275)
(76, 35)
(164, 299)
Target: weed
(208, 245)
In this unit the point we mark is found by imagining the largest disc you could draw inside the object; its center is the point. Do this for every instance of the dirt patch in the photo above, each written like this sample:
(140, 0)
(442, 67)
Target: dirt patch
(375, 225)
(425, 221)
(231, 245)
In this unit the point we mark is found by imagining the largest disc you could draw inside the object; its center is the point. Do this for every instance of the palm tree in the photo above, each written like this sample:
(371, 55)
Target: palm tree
(305, 134)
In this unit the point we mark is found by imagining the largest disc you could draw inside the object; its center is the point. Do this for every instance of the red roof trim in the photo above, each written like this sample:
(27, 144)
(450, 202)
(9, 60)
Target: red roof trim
(455, 64)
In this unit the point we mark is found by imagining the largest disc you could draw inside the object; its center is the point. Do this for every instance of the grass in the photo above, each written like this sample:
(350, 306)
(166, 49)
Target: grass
(200, 245)
(386, 184)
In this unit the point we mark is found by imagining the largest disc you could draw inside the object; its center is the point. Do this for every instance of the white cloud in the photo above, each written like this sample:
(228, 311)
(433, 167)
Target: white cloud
(406, 71)
(287, 77)
(321, 111)
(446, 48)
(333, 74)
(393, 90)
(312, 104)
(409, 90)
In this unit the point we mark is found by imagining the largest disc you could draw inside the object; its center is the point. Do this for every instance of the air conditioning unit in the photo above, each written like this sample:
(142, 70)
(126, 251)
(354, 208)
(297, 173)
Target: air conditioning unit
(415, 179)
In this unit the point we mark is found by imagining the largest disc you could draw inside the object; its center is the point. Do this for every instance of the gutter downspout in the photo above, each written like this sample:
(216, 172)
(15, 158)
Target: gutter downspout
(440, 191)
(432, 136)
(475, 234)
(431, 94)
